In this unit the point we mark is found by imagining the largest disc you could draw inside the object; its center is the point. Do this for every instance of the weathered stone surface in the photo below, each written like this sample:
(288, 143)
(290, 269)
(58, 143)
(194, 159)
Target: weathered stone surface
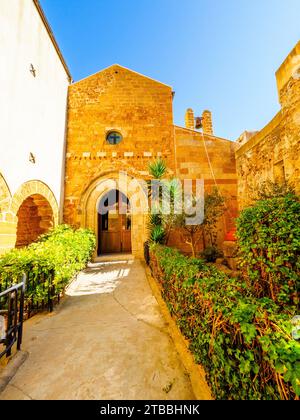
(207, 123)
(31, 211)
(190, 119)
(140, 109)
(274, 152)
(35, 217)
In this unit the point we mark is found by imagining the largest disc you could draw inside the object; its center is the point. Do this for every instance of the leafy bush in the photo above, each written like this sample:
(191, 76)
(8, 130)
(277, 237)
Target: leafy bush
(269, 240)
(62, 252)
(244, 343)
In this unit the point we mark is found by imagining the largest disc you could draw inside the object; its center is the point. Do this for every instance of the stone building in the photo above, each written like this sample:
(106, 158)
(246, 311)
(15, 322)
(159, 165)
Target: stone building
(67, 146)
(119, 121)
(274, 152)
(33, 100)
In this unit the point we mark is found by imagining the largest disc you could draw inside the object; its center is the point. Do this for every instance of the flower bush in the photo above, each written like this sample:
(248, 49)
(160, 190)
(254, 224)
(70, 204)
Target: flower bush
(243, 342)
(51, 261)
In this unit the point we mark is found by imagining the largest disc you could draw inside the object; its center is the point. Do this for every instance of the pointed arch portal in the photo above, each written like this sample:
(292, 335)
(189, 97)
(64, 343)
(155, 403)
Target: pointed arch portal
(114, 223)
(116, 191)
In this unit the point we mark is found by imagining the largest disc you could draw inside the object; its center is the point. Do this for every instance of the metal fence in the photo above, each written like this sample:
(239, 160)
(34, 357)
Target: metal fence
(11, 317)
(36, 285)
(18, 303)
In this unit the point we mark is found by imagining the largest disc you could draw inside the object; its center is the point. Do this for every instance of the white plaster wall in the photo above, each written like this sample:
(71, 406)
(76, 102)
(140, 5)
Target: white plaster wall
(32, 110)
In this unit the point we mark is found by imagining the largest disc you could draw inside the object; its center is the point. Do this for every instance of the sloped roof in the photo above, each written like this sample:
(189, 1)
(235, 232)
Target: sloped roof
(124, 68)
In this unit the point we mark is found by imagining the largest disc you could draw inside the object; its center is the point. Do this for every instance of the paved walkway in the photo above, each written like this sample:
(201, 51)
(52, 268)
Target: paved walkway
(107, 340)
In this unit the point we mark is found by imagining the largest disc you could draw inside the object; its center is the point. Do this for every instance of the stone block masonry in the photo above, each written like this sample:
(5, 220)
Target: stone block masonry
(274, 152)
(141, 111)
(31, 211)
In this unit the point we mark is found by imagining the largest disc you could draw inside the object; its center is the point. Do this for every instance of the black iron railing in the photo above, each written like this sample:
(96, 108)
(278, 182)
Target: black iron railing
(37, 286)
(11, 317)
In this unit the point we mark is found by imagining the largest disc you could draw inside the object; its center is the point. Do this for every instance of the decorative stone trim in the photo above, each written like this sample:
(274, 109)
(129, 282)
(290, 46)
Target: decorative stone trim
(31, 188)
(86, 154)
(128, 154)
(147, 154)
(101, 154)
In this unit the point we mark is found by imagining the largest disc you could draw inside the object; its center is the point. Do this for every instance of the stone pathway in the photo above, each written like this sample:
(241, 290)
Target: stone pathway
(107, 340)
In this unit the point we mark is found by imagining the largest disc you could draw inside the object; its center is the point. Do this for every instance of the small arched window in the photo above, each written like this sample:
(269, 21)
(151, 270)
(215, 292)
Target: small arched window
(114, 137)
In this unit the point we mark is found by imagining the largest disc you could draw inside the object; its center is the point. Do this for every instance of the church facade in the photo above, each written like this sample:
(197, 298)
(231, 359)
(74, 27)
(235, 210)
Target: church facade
(118, 122)
(75, 143)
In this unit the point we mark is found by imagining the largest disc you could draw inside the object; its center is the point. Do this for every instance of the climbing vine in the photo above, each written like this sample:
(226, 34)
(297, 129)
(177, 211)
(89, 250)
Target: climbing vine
(269, 243)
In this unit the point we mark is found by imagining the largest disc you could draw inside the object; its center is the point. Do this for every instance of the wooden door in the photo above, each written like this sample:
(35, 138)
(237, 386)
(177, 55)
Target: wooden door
(114, 233)
(126, 233)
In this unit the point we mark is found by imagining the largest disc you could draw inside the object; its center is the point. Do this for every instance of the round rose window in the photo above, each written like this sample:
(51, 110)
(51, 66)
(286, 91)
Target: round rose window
(114, 138)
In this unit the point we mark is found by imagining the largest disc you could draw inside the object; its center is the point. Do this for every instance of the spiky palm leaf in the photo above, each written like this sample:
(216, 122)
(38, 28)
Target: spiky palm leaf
(154, 220)
(158, 235)
(172, 192)
(158, 169)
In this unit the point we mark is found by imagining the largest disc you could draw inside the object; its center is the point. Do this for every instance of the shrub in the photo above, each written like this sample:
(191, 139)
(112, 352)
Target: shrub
(53, 260)
(269, 240)
(244, 343)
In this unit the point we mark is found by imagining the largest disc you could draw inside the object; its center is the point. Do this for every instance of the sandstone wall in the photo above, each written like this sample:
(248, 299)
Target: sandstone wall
(32, 210)
(35, 217)
(274, 152)
(137, 107)
(201, 156)
(140, 109)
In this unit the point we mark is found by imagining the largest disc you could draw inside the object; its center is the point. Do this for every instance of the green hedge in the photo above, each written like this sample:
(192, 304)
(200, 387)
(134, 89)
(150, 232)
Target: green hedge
(62, 252)
(269, 242)
(244, 343)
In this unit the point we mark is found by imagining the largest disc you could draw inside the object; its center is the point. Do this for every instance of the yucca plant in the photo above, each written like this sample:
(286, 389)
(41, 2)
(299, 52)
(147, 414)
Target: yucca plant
(154, 220)
(158, 169)
(157, 235)
(156, 231)
(165, 196)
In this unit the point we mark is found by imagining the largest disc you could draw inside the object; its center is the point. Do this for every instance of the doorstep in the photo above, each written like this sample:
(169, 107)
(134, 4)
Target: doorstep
(113, 257)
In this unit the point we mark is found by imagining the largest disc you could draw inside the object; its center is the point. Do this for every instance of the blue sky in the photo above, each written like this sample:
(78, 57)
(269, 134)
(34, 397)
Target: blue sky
(216, 54)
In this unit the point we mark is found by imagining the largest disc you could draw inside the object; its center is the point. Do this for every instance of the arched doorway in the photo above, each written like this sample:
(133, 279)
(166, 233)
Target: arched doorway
(35, 217)
(114, 223)
(134, 189)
